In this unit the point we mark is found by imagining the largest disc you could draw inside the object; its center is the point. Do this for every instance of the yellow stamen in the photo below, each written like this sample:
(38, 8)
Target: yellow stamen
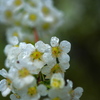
(23, 72)
(8, 14)
(46, 26)
(8, 82)
(45, 10)
(33, 17)
(17, 2)
(36, 55)
(56, 83)
(56, 69)
(57, 98)
(15, 34)
(32, 91)
(56, 51)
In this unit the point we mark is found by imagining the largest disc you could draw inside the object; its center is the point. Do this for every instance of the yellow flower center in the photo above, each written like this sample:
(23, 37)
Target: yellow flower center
(45, 10)
(32, 91)
(17, 23)
(33, 17)
(17, 2)
(56, 83)
(56, 51)
(23, 72)
(17, 96)
(56, 69)
(8, 14)
(46, 26)
(8, 82)
(15, 34)
(36, 55)
(57, 98)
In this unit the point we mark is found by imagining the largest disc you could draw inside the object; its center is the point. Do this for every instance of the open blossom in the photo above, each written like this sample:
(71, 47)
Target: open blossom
(24, 13)
(6, 84)
(23, 35)
(58, 59)
(36, 71)
(31, 92)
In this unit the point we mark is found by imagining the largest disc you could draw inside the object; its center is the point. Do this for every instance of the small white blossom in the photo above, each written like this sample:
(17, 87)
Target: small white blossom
(57, 81)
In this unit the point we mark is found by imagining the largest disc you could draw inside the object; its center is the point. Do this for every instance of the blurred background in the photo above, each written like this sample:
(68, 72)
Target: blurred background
(81, 29)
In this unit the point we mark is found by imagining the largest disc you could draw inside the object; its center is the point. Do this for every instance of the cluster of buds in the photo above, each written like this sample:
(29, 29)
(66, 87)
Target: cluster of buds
(28, 15)
(37, 71)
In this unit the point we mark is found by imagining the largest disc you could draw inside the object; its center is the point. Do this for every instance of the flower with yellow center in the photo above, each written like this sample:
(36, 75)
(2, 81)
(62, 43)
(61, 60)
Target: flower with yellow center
(17, 2)
(33, 17)
(45, 10)
(56, 69)
(8, 14)
(23, 72)
(32, 91)
(15, 34)
(46, 26)
(36, 55)
(57, 98)
(57, 81)
(8, 82)
(56, 51)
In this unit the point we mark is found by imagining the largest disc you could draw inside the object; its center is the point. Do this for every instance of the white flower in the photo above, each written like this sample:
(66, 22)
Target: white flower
(57, 81)
(58, 59)
(22, 75)
(58, 94)
(30, 92)
(74, 94)
(13, 31)
(23, 35)
(6, 84)
(34, 55)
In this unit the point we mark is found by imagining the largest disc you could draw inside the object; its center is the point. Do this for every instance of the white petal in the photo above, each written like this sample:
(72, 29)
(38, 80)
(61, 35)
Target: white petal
(47, 57)
(40, 46)
(3, 72)
(3, 85)
(70, 84)
(54, 41)
(6, 92)
(64, 58)
(65, 46)
(42, 90)
(64, 66)
(78, 92)
(14, 40)
(13, 97)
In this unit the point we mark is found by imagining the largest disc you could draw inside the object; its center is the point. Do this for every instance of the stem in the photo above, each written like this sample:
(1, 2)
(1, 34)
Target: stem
(36, 37)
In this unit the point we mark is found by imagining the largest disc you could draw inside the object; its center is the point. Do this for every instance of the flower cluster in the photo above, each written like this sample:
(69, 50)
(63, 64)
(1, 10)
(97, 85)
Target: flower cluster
(28, 15)
(37, 71)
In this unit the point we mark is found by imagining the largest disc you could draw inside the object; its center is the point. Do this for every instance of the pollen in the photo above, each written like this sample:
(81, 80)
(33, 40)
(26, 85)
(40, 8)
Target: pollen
(23, 72)
(56, 83)
(56, 51)
(57, 98)
(32, 91)
(56, 69)
(36, 55)
(8, 82)
(17, 2)
(46, 26)
(8, 14)
(15, 34)
(33, 17)
(45, 10)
